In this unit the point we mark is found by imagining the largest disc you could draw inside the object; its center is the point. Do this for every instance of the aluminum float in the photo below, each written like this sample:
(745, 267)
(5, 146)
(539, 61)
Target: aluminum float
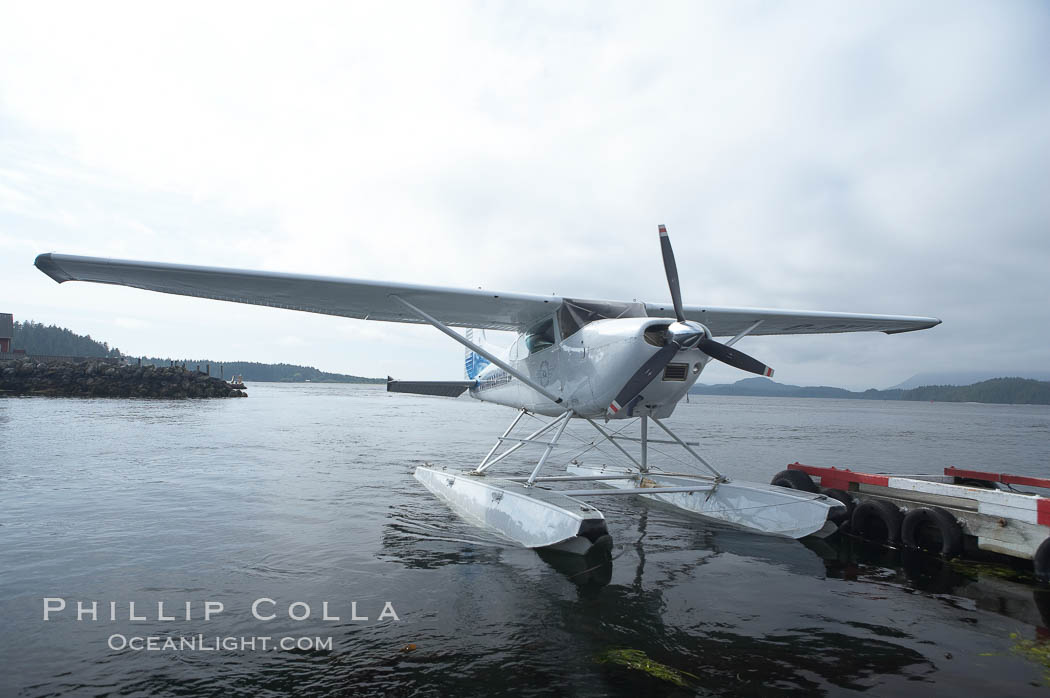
(530, 516)
(752, 506)
(524, 509)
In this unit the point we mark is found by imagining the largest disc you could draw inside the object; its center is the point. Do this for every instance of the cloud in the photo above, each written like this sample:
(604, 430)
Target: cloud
(132, 323)
(884, 158)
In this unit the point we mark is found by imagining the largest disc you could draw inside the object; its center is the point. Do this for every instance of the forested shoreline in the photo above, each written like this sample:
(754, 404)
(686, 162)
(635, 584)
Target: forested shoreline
(37, 339)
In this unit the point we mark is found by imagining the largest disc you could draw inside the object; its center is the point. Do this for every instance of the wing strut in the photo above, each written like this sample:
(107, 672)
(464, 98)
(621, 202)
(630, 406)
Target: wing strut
(478, 350)
(743, 334)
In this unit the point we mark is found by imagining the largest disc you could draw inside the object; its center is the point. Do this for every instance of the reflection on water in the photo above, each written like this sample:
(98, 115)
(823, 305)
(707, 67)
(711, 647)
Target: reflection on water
(305, 493)
(589, 572)
(999, 588)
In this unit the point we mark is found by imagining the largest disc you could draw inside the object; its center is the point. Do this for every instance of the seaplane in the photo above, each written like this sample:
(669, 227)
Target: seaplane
(595, 361)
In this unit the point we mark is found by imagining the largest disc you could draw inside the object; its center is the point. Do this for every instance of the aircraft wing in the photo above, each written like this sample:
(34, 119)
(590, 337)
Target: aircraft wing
(725, 322)
(457, 307)
(356, 298)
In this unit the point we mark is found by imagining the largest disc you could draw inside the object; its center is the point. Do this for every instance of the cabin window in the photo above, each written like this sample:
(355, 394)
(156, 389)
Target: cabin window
(540, 336)
(568, 322)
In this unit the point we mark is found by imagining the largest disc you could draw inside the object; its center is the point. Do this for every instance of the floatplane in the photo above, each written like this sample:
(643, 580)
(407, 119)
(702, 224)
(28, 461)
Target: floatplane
(574, 359)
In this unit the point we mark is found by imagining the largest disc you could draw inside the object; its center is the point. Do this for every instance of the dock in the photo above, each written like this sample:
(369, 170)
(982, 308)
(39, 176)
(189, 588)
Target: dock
(958, 513)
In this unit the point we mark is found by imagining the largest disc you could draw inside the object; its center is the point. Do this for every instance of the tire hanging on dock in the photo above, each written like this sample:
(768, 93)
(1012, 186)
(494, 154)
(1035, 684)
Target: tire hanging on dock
(846, 499)
(1041, 560)
(795, 480)
(942, 520)
(871, 516)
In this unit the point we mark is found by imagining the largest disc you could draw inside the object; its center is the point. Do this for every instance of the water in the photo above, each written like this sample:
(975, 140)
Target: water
(305, 494)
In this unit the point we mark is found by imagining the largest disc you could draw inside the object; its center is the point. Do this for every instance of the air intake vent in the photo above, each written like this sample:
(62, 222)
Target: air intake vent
(656, 335)
(676, 372)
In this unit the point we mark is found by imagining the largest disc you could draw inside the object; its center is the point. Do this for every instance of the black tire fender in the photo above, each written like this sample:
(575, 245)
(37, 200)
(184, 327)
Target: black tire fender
(877, 510)
(1042, 561)
(973, 482)
(949, 529)
(844, 497)
(795, 480)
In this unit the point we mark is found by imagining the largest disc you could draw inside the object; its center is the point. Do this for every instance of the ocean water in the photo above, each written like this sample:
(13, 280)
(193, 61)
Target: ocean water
(303, 495)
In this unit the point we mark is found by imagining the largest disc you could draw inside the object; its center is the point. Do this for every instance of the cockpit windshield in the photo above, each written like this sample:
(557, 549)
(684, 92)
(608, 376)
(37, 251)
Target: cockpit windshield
(575, 313)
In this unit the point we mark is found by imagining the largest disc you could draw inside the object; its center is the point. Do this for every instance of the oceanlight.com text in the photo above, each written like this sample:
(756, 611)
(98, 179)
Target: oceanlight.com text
(216, 643)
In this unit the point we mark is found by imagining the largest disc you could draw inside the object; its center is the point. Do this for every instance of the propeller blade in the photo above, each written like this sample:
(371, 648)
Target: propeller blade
(671, 269)
(644, 376)
(736, 359)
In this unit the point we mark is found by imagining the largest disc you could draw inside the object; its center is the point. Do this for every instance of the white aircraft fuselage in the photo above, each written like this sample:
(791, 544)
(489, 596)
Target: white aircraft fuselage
(589, 367)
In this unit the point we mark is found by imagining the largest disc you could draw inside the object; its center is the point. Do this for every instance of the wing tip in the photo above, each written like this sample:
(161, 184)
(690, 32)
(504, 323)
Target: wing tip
(931, 322)
(47, 264)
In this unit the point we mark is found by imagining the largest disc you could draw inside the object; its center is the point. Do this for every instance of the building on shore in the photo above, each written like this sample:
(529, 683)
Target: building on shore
(7, 332)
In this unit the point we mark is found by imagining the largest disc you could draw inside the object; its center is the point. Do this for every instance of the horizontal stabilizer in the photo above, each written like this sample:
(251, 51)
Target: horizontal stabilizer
(441, 388)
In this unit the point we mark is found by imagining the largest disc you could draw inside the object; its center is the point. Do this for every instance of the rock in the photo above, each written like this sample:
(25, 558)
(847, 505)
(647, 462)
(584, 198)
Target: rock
(104, 379)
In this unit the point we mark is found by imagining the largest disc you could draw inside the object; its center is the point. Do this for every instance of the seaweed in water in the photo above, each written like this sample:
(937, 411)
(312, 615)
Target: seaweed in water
(973, 570)
(640, 661)
(1037, 651)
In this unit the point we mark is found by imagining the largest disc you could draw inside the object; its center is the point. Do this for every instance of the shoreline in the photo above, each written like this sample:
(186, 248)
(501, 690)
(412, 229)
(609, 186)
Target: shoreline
(100, 378)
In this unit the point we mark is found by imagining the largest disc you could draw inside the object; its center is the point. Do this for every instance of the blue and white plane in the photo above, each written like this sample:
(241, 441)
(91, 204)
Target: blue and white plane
(585, 359)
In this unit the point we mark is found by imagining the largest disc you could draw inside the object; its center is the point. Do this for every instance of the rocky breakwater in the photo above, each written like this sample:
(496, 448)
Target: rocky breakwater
(100, 379)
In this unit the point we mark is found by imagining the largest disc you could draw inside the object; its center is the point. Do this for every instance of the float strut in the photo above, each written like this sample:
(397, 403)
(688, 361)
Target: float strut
(611, 438)
(645, 443)
(481, 466)
(684, 445)
(521, 442)
(564, 419)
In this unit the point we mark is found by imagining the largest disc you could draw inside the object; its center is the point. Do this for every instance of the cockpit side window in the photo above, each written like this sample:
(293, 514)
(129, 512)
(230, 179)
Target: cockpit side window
(568, 321)
(540, 336)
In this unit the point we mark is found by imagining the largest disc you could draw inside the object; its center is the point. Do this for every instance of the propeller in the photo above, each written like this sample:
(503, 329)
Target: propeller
(735, 358)
(671, 270)
(683, 334)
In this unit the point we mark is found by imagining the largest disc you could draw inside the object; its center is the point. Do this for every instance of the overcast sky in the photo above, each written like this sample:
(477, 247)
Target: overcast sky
(844, 156)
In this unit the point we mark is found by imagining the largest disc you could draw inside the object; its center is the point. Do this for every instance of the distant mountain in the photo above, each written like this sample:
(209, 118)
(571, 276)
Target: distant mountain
(1012, 391)
(1016, 391)
(966, 377)
(765, 387)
